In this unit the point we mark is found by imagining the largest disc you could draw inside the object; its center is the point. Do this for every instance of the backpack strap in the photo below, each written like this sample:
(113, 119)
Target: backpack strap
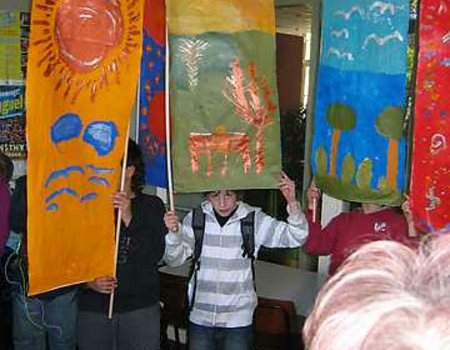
(248, 236)
(198, 225)
(248, 240)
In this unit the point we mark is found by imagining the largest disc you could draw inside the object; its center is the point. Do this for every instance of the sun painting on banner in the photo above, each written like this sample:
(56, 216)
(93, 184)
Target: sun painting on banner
(90, 40)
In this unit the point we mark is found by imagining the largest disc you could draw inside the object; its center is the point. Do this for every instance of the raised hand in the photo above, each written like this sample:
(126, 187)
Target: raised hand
(406, 207)
(287, 188)
(172, 221)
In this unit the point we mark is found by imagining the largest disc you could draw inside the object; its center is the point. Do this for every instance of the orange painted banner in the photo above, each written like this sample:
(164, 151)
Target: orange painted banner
(83, 69)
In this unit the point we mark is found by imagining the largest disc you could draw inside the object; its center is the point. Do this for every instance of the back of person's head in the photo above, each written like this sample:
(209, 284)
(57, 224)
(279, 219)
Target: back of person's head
(6, 167)
(135, 159)
(386, 296)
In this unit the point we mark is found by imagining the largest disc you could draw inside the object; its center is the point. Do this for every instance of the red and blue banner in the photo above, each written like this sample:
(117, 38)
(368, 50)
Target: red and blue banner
(430, 178)
(152, 123)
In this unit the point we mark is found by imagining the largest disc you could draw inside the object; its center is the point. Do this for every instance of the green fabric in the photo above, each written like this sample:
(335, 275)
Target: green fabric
(199, 68)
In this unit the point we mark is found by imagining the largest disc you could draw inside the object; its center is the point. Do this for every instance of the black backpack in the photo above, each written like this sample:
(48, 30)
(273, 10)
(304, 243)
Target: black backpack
(248, 243)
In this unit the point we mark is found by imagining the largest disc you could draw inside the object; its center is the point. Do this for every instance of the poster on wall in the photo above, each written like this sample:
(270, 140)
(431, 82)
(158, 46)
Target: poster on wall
(10, 60)
(359, 147)
(223, 95)
(430, 175)
(152, 109)
(83, 69)
(12, 124)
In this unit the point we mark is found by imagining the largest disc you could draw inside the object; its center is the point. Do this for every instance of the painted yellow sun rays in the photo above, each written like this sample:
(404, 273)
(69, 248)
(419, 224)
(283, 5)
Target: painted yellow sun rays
(224, 16)
(85, 55)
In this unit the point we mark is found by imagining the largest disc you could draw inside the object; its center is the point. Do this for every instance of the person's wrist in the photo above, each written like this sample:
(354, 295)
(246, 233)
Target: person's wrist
(294, 206)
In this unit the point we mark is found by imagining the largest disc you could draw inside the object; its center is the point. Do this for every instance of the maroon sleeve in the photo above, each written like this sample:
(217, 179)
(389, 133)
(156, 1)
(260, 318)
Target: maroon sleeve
(321, 241)
(5, 202)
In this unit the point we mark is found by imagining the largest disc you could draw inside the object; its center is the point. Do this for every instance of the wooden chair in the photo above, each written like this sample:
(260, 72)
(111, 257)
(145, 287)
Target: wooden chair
(173, 310)
(274, 325)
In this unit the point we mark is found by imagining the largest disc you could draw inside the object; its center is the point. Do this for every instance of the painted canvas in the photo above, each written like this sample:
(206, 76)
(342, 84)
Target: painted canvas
(83, 69)
(223, 100)
(152, 123)
(430, 177)
(359, 147)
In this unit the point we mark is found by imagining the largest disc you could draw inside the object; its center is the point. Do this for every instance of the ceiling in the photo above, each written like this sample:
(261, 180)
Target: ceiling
(294, 20)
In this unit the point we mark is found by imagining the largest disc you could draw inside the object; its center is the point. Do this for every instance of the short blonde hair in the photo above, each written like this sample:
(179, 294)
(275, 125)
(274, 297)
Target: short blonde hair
(386, 296)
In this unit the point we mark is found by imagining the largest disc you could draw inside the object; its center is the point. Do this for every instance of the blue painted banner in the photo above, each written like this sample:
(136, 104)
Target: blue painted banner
(359, 146)
(152, 126)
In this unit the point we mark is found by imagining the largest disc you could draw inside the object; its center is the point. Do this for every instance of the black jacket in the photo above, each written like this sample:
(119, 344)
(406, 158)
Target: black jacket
(141, 247)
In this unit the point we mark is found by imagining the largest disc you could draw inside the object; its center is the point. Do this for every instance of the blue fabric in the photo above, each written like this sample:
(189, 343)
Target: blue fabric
(151, 112)
(35, 319)
(362, 67)
(219, 338)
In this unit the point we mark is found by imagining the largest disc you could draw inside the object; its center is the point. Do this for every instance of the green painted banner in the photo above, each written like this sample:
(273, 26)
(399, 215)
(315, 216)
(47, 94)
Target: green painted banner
(223, 100)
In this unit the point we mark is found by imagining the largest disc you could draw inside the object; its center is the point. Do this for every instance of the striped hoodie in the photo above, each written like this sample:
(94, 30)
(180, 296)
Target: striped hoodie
(225, 296)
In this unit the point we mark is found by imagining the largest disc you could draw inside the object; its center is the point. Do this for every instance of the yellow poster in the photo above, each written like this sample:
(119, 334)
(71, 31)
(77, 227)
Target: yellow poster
(83, 68)
(10, 59)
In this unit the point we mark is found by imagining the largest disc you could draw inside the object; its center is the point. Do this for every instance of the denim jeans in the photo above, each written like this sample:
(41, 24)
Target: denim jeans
(219, 338)
(36, 320)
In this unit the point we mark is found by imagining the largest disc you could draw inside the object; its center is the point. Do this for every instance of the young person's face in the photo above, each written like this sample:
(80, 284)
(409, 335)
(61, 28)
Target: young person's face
(223, 202)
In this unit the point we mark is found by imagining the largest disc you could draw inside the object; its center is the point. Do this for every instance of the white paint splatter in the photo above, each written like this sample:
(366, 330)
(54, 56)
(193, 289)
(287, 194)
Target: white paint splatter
(382, 40)
(338, 33)
(344, 55)
(383, 7)
(446, 38)
(348, 14)
(438, 143)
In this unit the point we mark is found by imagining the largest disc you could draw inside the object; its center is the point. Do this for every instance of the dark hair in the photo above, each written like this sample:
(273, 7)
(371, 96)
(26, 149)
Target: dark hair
(135, 159)
(6, 167)
(240, 194)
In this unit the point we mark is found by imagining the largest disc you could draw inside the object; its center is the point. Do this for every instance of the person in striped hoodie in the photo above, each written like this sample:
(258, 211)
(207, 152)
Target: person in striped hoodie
(221, 293)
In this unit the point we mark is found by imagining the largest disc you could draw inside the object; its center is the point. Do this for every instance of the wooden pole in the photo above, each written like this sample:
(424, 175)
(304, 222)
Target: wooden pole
(168, 134)
(119, 219)
(314, 211)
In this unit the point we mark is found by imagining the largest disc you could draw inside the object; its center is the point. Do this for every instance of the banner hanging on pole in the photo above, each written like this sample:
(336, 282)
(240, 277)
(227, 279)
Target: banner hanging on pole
(430, 177)
(224, 102)
(82, 75)
(359, 146)
(152, 94)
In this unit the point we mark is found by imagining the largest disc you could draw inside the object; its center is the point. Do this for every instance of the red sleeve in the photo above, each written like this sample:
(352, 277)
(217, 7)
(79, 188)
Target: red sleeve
(321, 241)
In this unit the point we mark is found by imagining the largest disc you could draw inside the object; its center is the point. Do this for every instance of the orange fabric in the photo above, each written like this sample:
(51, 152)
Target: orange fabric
(83, 68)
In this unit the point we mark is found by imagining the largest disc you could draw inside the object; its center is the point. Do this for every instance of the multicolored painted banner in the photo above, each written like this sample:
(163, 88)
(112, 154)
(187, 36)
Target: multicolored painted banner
(152, 123)
(223, 94)
(430, 178)
(359, 145)
(83, 70)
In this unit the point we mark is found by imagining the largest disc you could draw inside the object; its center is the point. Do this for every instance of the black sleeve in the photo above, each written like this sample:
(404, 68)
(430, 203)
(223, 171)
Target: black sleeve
(18, 211)
(148, 218)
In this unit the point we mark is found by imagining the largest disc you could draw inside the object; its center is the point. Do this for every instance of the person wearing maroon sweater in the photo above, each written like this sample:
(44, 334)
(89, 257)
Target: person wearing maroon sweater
(6, 171)
(347, 232)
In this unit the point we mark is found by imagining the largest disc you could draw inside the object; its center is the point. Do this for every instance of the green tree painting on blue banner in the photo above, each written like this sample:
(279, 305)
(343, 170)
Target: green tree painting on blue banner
(359, 147)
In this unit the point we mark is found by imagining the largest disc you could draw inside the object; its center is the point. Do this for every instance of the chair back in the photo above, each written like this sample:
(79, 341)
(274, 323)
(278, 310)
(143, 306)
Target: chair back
(274, 325)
